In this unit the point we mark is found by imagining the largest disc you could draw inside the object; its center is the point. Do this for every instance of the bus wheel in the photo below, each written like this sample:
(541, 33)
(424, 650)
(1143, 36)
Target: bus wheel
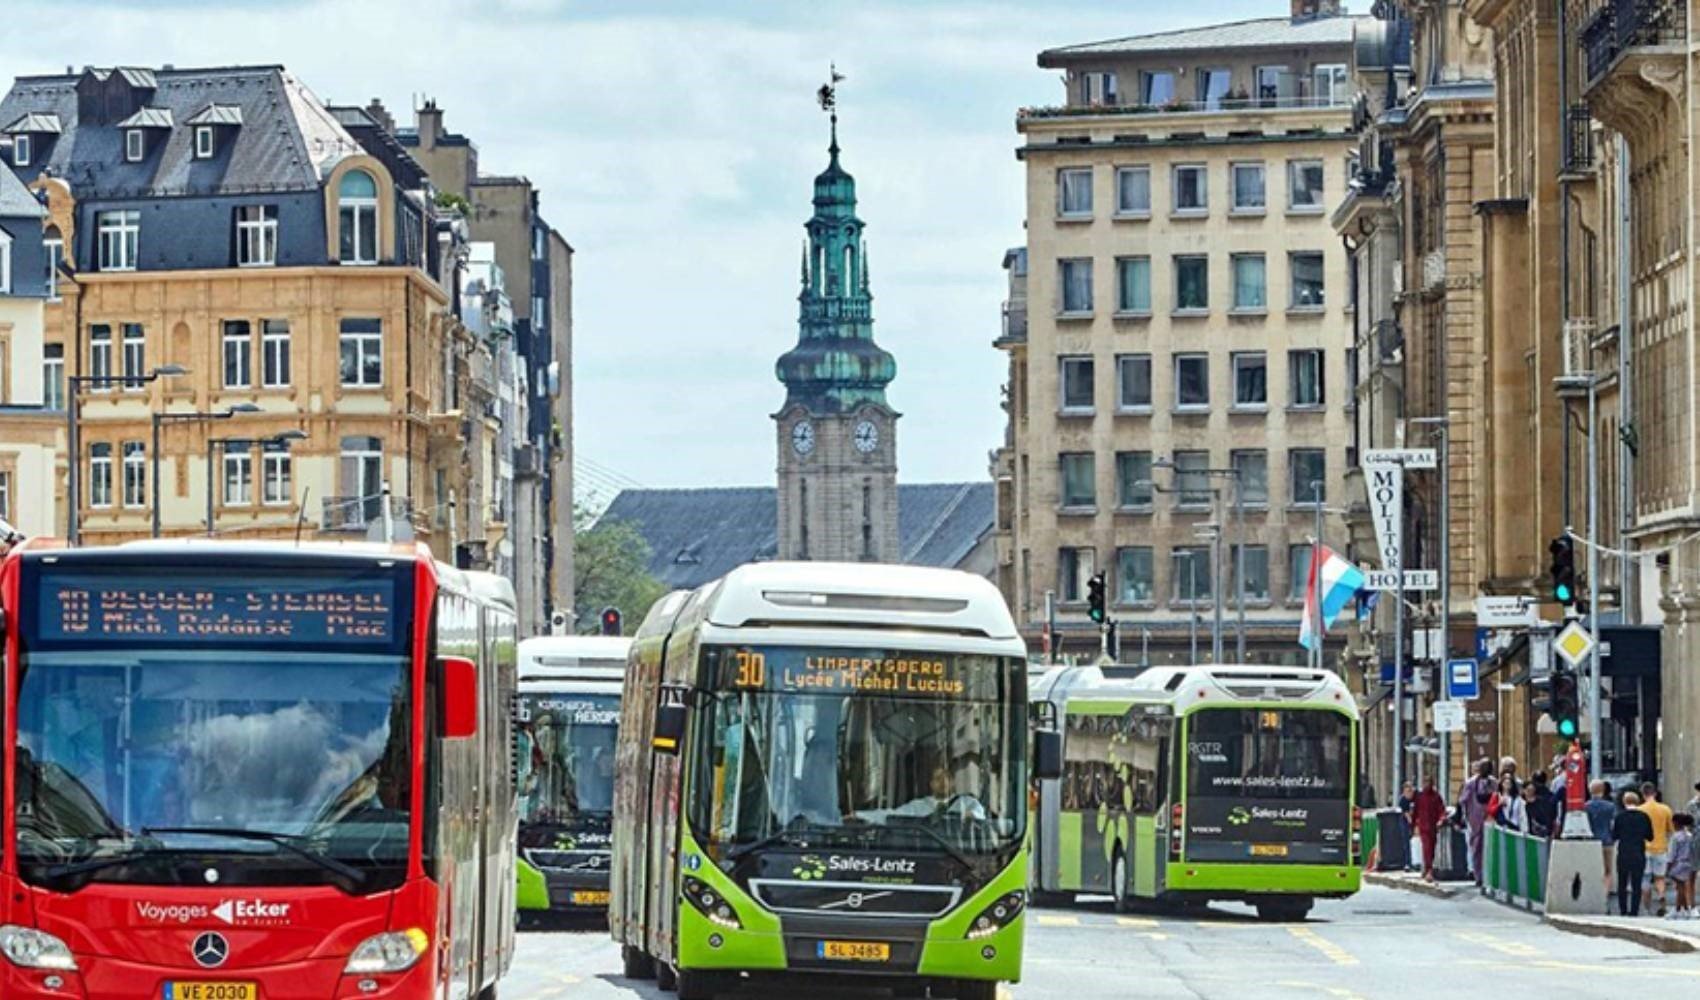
(1283, 910)
(666, 976)
(697, 985)
(637, 964)
(976, 989)
(1118, 884)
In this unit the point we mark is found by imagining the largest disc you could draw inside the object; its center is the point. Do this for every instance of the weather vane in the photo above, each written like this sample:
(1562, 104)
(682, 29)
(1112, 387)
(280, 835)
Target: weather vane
(828, 93)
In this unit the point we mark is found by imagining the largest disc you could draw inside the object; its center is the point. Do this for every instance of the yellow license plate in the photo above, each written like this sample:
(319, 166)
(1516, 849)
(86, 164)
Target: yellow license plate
(211, 991)
(590, 897)
(1269, 850)
(855, 951)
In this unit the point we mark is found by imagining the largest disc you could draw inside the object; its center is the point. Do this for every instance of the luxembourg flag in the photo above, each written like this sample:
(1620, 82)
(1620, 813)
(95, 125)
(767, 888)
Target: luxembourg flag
(1340, 581)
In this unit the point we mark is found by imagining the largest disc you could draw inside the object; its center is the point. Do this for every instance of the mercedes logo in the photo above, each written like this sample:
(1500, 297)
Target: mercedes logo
(210, 950)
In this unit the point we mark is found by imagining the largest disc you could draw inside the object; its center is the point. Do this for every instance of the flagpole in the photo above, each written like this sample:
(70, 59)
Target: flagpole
(1316, 488)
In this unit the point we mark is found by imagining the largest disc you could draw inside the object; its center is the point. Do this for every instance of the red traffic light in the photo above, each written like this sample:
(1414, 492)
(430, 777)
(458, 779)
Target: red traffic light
(611, 621)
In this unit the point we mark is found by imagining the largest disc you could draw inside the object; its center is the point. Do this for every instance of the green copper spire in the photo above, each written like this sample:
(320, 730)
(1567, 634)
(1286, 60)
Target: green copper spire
(836, 366)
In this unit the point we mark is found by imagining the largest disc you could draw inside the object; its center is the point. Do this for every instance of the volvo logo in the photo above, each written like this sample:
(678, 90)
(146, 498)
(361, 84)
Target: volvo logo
(210, 950)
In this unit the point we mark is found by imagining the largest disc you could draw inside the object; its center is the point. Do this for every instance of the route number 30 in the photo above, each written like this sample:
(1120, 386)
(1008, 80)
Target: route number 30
(752, 670)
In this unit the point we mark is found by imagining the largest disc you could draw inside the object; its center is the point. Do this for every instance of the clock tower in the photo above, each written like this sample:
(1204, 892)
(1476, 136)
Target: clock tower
(836, 432)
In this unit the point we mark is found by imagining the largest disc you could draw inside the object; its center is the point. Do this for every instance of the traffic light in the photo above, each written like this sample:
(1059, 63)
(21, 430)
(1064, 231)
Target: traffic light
(1565, 706)
(1563, 570)
(1095, 598)
(611, 621)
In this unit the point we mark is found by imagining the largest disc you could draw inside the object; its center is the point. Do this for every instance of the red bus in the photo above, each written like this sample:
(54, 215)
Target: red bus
(255, 772)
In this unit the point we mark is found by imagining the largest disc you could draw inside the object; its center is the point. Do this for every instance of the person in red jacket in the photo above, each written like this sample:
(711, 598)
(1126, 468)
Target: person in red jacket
(1428, 813)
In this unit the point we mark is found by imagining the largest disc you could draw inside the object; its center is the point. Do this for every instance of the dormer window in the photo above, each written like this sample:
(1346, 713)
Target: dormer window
(20, 151)
(203, 142)
(357, 215)
(135, 145)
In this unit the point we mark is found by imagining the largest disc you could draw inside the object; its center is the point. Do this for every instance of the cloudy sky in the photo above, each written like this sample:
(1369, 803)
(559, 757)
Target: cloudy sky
(675, 142)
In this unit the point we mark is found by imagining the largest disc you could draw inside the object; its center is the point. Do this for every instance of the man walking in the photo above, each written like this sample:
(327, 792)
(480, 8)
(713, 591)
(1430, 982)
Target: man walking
(1632, 830)
(1658, 859)
(1473, 799)
(1427, 812)
(1601, 811)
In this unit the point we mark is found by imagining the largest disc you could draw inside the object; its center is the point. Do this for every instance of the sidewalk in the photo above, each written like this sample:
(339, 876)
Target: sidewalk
(1413, 882)
(1670, 936)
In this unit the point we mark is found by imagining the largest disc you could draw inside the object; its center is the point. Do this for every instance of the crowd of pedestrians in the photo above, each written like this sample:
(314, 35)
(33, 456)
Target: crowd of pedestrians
(1650, 852)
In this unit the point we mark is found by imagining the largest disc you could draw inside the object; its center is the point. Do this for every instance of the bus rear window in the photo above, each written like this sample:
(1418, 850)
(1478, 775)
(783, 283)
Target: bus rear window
(1268, 753)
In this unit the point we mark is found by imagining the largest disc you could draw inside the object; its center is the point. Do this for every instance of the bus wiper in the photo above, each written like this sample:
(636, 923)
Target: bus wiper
(779, 836)
(284, 841)
(104, 861)
(949, 847)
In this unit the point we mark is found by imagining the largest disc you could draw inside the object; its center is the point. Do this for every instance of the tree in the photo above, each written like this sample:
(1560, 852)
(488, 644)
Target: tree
(611, 566)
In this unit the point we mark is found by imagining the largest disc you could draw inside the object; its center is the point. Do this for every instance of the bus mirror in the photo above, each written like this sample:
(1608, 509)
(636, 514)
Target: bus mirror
(1047, 754)
(460, 697)
(669, 726)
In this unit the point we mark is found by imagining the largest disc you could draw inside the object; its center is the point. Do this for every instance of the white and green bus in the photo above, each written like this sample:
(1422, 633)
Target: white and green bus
(823, 771)
(1184, 785)
(566, 717)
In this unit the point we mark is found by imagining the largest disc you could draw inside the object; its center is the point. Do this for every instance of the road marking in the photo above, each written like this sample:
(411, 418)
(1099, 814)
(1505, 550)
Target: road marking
(1157, 936)
(1516, 949)
(1639, 972)
(1136, 922)
(1052, 920)
(1335, 953)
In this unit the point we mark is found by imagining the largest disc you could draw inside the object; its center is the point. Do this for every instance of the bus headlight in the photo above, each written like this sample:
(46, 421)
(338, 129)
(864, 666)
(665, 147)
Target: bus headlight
(1000, 914)
(32, 949)
(711, 904)
(395, 951)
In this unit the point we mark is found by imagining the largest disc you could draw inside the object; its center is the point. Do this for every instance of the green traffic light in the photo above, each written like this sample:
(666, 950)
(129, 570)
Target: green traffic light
(1096, 615)
(1562, 592)
(1567, 727)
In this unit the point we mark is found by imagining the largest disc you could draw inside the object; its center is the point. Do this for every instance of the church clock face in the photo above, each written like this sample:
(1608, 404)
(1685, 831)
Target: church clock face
(803, 437)
(867, 437)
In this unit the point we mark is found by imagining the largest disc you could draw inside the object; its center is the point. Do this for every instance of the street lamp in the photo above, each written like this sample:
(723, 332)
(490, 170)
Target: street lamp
(1239, 546)
(1215, 567)
(285, 438)
(74, 384)
(185, 418)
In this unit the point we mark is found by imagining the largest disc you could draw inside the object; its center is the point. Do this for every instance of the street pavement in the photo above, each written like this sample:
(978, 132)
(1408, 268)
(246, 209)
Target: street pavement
(1381, 943)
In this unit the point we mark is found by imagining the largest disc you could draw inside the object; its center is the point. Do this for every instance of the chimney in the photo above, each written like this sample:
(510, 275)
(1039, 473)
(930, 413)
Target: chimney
(429, 121)
(380, 114)
(1306, 10)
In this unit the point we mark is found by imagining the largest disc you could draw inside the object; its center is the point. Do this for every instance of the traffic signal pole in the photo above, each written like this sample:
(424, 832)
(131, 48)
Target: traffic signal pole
(1595, 688)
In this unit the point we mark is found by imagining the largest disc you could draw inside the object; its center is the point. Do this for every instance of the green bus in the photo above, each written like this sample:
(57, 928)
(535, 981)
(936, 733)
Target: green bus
(1185, 785)
(823, 772)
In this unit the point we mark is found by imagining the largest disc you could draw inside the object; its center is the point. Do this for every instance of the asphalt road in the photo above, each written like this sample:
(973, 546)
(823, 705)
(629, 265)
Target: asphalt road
(1381, 943)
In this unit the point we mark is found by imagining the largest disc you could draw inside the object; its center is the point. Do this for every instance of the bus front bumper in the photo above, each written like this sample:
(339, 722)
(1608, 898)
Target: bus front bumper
(104, 978)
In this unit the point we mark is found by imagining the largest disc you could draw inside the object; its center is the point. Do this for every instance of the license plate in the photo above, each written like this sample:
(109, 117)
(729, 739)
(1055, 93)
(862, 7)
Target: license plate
(1269, 850)
(211, 991)
(855, 951)
(590, 897)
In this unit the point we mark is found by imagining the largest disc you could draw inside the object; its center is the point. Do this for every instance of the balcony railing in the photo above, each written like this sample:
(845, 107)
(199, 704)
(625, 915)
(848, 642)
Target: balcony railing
(1389, 341)
(528, 463)
(359, 513)
(1222, 105)
(1620, 25)
(1578, 140)
(1014, 323)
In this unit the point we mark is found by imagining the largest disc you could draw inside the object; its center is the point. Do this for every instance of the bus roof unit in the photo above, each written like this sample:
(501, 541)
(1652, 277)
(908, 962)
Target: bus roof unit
(791, 594)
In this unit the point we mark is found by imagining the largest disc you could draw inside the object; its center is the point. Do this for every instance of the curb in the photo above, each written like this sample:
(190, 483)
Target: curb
(1648, 937)
(1415, 885)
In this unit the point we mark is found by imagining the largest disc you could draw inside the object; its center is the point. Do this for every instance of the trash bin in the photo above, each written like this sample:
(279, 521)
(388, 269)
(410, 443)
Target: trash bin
(1394, 842)
(1452, 855)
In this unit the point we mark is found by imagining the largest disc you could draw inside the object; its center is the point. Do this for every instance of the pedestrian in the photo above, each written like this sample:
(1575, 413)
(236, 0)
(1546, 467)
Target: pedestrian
(1693, 807)
(1427, 813)
(1600, 812)
(1632, 831)
(1473, 799)
(1407, 821)
(1508, 769)
(1531, 806)
(1681, 867)
(1543, 808)
(1512, 814)
(1658, 858)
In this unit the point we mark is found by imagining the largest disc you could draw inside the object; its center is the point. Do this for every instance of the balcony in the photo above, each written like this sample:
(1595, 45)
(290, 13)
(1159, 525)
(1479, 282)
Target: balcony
(1014, 324)
(528, 462)
(1578, 140)
(1621, 25)
(1389, 342)
(1578, 345)
(1226, 105)
(360, 513)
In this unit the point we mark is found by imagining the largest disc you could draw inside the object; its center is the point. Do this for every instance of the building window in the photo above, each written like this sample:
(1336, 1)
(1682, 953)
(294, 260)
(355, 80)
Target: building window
(1306, 271)
(1255, 559)
(1251, 380)
(20, 151)
(100, 475)
(1330, 84)
(1192, 284)
(1133, 480)
(1274, 86)
(120, 235)
(1248, 187)
(1075, 566)
(1077, 395)
(1074, 278)
(1079, 479)
(1098, 89)
(1133, 285)
(5, 264)
(1304, 377)
(1133, 191)
(357, 212)
(135, 474)
(1074, 192)
(1298, 571)
(1190, 568)
(1133, 383)
(1135, 575)
(256, 235)
(362, 357)
(274, 353)
(1156, 89)
(6, 494)
(1308, 470)
(1192, 381)
(135, 145)
(100, 357)
(238, 474)
(53, 376)
(275, 472)
(53, 247)
(1213, 86)
(1304, 185)
(203, 142)
(1252, 466)
(1250, 282)
(1192, 480)
(238, 354)
(1192, 189)
(135, 357)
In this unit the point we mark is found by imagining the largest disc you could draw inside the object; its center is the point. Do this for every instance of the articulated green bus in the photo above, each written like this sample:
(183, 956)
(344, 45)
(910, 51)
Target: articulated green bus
(823, 772)
(1183, 785)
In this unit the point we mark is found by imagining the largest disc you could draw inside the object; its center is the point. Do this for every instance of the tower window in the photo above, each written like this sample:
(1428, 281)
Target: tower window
(867, 521)
(803, 518)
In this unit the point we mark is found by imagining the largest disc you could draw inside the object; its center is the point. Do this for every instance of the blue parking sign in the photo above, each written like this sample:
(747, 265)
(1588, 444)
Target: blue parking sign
(1462, 682)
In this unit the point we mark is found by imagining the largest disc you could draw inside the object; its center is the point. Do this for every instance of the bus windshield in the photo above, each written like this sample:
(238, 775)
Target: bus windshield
(566, 756)
(862, 747)
(1269, 754)
(152, 753)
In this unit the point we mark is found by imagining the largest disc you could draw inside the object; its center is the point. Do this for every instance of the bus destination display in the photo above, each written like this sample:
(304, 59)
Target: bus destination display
(859, 671)
(98, 609)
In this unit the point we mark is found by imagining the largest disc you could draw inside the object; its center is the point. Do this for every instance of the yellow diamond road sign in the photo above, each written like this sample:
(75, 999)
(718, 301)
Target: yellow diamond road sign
(1574, 643)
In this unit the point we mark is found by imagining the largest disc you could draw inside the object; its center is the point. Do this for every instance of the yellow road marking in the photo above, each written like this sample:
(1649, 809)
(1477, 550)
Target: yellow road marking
(1642, 972)
(1516, 949)
(1157, 936)
(1333, 991)
(1052, 920)
(1136, 921)
(1335, 953)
